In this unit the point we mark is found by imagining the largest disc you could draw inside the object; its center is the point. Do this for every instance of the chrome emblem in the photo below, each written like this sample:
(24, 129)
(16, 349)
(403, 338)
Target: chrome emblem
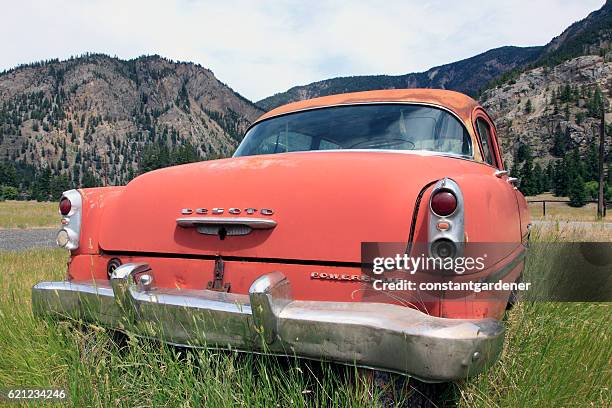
(232, 210)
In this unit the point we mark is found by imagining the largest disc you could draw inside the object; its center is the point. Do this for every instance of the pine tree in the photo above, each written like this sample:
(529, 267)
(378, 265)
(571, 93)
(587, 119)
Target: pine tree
(528, 183)
(41, 188)
(550, 176)
(591, 164)
(561, 178)
(594, 103)
(8, 174)
(154, 157)
(90, 180)
(59, 184)
(561, 141)
(522, 153)
(185, 154)
(577, 192)
(579, 168)
(539, 179)
(566, 94)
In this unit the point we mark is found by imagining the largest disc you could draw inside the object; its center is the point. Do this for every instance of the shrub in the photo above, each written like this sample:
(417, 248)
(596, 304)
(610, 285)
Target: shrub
(592, 189)
(9, 193)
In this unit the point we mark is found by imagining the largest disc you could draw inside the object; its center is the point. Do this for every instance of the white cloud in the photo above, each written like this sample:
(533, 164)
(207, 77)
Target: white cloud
(260, 48)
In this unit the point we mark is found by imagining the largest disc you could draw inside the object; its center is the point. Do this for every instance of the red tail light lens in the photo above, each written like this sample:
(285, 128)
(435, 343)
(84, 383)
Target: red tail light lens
(65, 206)
(443, 203)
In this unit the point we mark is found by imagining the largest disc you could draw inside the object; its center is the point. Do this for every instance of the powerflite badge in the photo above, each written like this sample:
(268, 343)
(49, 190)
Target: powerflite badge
(345, 277)
(232, 210)
(340, 277)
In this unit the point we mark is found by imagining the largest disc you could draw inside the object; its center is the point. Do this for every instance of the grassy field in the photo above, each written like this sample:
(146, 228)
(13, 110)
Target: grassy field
(561, 211)
(28, 214)
(556, 355)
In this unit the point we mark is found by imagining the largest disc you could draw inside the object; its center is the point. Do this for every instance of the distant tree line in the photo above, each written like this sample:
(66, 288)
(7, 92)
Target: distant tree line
(573, 175)
(159, 155)
(20, 181)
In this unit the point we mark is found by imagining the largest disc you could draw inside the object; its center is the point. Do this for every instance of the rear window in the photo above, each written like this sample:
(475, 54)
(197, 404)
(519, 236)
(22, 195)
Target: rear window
(367, 126)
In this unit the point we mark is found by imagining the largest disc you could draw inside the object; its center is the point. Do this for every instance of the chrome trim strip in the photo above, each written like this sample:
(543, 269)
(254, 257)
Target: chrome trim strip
(386, 151)
(500, 173)
(195, 299)
(95, 288)
(255, 223)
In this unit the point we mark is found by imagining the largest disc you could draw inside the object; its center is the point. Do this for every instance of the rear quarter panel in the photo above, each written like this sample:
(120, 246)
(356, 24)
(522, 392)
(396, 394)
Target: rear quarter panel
(93, 206)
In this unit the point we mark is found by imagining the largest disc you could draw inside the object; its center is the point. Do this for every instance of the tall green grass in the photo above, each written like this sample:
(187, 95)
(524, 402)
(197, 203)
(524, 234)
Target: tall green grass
(556, 355)
(99, 368)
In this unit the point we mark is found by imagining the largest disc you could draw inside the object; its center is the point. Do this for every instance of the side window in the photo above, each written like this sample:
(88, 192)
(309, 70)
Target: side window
(484, 134)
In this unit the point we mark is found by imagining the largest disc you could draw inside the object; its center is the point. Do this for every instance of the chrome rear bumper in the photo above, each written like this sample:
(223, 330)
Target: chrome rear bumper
(374, 335)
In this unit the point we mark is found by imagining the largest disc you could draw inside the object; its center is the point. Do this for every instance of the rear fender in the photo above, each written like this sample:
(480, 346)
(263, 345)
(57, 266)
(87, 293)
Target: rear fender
(94, 202)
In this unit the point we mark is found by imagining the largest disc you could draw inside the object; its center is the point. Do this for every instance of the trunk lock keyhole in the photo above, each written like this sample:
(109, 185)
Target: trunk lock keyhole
(222, 233)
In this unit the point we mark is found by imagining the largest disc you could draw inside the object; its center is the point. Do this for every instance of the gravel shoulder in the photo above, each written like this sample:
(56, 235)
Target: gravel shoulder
(20, 239)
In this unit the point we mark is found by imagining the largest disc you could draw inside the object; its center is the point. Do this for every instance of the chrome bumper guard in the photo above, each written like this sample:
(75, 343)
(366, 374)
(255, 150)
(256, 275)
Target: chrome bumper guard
(373, 335)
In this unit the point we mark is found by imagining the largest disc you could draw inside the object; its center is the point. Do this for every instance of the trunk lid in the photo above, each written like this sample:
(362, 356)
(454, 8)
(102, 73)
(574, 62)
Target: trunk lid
(324, 204)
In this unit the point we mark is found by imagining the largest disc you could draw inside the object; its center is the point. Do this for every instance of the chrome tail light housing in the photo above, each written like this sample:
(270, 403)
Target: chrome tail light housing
(446, 229)
(69, 236)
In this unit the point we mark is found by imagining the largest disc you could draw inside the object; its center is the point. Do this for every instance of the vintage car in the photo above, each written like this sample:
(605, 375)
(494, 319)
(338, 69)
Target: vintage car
(262, 252)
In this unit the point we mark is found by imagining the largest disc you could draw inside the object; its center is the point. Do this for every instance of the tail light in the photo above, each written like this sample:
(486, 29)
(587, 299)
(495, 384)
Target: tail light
(70, 208)
(446, 222)
(65, 206)
(443, 203)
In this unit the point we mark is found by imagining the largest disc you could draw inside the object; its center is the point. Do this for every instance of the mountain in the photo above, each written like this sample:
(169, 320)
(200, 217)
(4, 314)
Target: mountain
(96, 116)
(546, 101)
(545, 104)
(584, 37)
(557, 99)
(101, 120)
(472, 75)
(467, 76)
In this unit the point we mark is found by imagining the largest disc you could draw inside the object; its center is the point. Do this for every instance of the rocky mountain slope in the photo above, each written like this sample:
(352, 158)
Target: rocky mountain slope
(467, 76)
(545, 105)
(553, 105)
(96, 114)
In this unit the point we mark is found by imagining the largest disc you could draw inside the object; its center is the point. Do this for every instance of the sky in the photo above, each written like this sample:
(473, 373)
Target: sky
(262, 47)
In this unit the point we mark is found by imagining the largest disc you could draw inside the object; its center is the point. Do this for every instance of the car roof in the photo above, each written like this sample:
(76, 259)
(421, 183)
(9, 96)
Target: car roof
(461, 104)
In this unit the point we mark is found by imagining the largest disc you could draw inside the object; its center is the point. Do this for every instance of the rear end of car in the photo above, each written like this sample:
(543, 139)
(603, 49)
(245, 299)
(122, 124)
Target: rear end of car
(262, 253)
